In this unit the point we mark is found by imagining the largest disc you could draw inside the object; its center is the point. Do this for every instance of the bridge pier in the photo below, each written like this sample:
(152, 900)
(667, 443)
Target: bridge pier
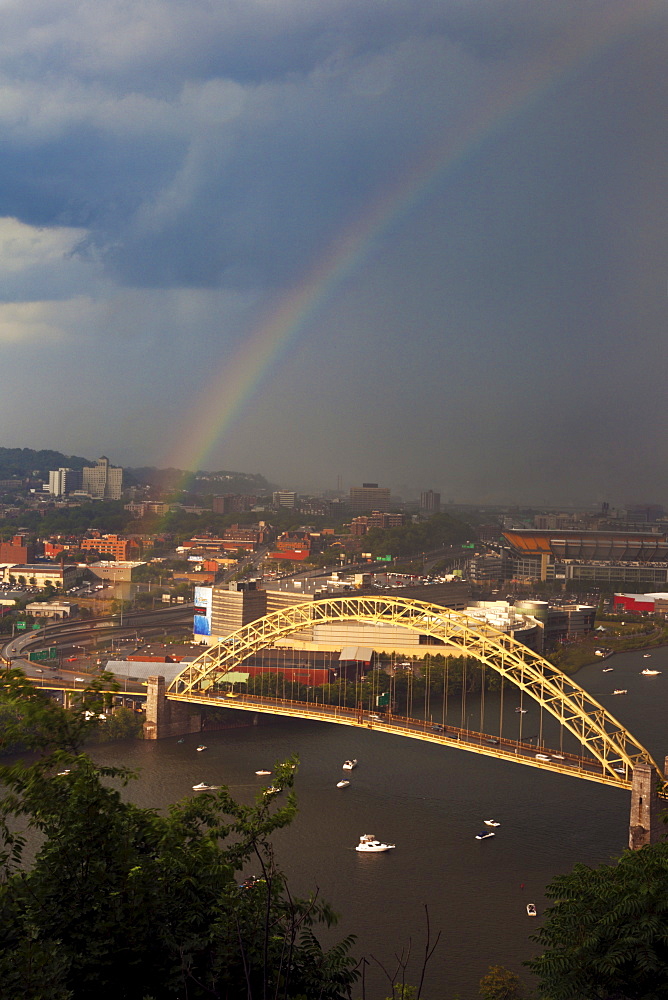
(168, 718)
(646, 826)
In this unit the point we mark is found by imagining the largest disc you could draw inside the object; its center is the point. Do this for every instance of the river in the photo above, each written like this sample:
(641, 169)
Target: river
(431, 802)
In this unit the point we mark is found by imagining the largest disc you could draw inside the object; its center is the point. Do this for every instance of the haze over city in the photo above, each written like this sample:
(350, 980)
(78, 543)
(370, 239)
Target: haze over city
(419, 246)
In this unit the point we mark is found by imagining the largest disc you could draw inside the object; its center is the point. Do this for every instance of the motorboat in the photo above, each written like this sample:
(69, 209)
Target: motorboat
(599, 652)
(558, 756)
(531, 909)
(62, 773)
(263, 772)
(199, 749)
(646, 656)
(606, 670)
(650, 673)
(542, 756)
(620, 691)
(485, 834)
(272, 790)
(348, 765)
(369, 845)
(203, 787)
(491, 822)
(343, 783)
(521, 711)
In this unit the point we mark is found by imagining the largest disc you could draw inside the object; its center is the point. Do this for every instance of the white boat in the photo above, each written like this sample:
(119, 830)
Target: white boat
(542, 756)
(531, 909)
(650, 673)
(485, 834)
(61, 773)
(199, 749)
(203, 787)
(272, 790)
(646, 656)
(606, 670)
(491, 822)
(369, 845)
(343, 783)
(263, 772)
(348, 765)
(521, 711)
(599, 652)
(620, 691)
(558, 756)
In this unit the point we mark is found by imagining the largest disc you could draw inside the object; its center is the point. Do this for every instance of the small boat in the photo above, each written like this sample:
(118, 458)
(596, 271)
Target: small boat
(558, 756)
(620, 691)
(619, 770)
(272, 790)
(203, 787)
(491, 822)
(485, 834)
(263, 772)
(542, 756)
(348, 765)
(369, 845)
(199, 749)
(650, 673)
(531, 909)
(606, 670)
(521, 711)
(646, 656)
(342, 784)
(62, 773)
(181, 740)
(599, 652)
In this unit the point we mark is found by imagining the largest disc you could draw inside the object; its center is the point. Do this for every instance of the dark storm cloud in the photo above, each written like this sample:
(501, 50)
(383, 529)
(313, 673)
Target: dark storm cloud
(170, 170)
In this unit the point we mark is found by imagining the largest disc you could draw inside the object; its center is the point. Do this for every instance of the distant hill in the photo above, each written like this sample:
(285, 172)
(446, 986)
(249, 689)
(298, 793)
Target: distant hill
(169, 480)
(18, 463)
(21, 462)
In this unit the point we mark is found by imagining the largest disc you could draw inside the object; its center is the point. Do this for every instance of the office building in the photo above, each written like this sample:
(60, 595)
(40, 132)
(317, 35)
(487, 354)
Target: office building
(103, 481)
(284, 498)
(369, 497)
(430, 502)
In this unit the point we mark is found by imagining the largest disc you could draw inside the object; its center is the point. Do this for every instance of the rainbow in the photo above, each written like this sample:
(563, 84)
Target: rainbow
(227, 394)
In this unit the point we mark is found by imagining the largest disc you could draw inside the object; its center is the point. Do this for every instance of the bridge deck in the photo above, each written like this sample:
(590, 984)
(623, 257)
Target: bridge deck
(418, 729)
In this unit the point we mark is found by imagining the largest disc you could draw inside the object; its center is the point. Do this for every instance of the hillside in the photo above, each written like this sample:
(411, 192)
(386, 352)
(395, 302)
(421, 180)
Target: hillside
(21, 462)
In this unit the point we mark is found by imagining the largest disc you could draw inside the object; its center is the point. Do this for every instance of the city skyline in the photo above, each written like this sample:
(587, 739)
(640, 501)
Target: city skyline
(323, 241)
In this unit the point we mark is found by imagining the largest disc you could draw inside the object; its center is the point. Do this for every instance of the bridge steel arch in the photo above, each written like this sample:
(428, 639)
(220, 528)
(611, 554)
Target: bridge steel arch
(596, 730)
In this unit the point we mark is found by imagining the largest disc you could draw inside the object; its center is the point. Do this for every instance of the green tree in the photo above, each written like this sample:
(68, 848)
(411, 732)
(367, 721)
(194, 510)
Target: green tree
(121, 903)
(606, 936)
(500, 984)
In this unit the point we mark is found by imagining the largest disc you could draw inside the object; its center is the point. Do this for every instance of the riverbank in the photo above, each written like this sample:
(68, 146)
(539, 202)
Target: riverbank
(619, 636)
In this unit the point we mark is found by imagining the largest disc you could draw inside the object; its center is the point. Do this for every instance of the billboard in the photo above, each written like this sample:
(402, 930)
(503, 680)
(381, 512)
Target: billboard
(203, 605)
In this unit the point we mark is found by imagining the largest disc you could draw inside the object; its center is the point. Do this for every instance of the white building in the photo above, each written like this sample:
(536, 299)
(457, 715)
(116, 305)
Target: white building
(103, 481)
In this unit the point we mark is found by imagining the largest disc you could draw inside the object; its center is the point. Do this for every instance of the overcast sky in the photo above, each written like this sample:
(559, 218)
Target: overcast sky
(421, 244)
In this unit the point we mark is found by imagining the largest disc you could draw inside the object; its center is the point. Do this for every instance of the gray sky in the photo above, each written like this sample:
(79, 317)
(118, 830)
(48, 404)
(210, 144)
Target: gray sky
(418, 244)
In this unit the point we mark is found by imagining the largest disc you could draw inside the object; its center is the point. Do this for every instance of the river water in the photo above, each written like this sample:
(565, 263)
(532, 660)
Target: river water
(430, 801)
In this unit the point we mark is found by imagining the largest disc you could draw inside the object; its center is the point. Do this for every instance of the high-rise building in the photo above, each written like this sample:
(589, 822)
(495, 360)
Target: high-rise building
(64, 481)
(103, 481)
(369, 497)
(430, 502)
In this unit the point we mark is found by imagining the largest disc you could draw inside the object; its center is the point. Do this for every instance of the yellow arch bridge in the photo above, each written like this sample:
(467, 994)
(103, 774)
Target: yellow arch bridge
(608, 752)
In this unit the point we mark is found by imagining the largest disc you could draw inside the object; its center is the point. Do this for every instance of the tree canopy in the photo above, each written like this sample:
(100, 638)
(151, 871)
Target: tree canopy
(122, 903)
(606, 936)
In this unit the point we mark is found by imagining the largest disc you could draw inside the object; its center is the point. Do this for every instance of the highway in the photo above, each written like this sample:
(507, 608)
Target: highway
(86, 631)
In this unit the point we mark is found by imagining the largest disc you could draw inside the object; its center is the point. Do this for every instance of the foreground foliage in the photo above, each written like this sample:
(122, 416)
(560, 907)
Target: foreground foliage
(606, 936)
(120, 902)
